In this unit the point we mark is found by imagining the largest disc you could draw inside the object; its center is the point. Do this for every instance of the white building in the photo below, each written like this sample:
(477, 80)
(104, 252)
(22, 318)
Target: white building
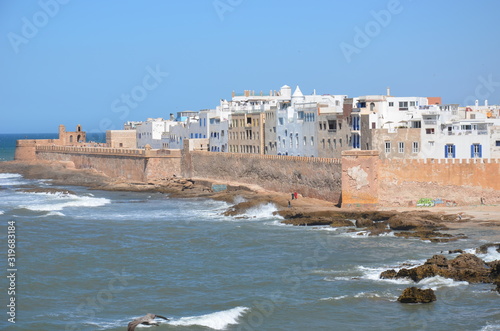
(150, 132)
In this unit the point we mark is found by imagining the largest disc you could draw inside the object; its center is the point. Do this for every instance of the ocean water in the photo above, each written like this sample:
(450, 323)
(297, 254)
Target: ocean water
(8, 141)
(95, 260)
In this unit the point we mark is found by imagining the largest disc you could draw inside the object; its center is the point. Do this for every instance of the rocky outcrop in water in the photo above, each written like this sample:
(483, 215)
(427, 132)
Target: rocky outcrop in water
(483, 249)
(416, 224)
(465, 267)
(416, 295)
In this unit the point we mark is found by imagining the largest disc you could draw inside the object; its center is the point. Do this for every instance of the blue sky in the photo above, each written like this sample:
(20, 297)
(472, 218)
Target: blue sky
(101, 63)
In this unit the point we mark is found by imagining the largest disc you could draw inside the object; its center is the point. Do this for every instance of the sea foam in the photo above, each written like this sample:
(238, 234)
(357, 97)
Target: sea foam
(491, 255)
(59, 201)
(263, 211)
(9, 179)
(217, 321)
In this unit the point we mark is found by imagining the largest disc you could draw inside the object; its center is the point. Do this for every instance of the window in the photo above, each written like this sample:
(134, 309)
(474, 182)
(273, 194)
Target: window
(355, 123)
(281, 121)
(356, 141)
(403, 105)
(312, 141)
(416, 124)
(413, 103)
(497, 143)
(415, 147)
(429, 131)
(476, 151)
(332, 125)
(401, 147)
(391, 104)
(449, 151)
(387, 147)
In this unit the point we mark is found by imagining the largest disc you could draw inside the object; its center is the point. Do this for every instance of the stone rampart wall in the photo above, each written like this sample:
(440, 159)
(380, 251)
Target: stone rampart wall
(361, 177)
(135, 165)
(311, 177)
(464, 181)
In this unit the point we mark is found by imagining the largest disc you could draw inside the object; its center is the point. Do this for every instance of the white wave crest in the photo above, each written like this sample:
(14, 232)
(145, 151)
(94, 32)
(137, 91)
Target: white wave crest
(334, 298)
(59, 201)
(9, 179)
(55, 213)
(491, 255)
(491, 327)
(364, 295)
(10, 175)
(262, 211)
(217, 321)
(2, 212)
(438, 281)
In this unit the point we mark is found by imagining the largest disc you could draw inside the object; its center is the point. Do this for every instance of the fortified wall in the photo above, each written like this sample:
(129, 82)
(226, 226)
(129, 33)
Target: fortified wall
(26, 149)
(141, 165)
(312, 177)
(358, 179)
(444, 181)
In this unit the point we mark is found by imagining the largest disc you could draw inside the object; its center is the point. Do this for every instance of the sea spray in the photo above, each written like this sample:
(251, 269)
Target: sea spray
(217, 321)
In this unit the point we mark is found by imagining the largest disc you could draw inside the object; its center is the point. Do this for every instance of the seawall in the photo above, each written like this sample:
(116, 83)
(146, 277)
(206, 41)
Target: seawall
(461, 181)
(129, 164)
(312, 177)
(359, 178)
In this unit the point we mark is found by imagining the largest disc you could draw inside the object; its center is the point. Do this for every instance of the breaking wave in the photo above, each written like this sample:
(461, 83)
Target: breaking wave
(263, 211)
(58, 201)
(217, 321)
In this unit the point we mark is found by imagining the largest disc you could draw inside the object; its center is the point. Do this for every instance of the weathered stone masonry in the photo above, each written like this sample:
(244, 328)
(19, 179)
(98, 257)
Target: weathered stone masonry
(360, 177)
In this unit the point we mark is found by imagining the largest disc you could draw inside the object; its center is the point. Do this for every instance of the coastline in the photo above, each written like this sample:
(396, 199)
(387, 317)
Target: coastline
(64, 173)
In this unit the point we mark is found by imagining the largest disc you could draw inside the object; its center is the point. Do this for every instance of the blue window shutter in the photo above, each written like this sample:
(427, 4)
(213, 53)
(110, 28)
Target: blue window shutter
(471, 151)
(480, 151)
(445, 151)
(453, 151)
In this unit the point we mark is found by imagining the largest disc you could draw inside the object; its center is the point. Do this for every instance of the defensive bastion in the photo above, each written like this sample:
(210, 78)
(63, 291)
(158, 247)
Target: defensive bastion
(358, 179)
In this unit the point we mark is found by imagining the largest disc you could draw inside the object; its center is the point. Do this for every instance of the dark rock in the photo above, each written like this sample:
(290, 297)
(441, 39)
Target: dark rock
(465, 267)
(50, 190)
(494, 270)
(416, 295)
(498, 287)
(483, 249)
(341, 223)
(363, 223)
(456, 251)
(407, 222)
(388, 274)
(438, 260)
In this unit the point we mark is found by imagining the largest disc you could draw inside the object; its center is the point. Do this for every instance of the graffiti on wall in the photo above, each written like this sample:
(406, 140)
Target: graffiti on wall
(427, 202)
